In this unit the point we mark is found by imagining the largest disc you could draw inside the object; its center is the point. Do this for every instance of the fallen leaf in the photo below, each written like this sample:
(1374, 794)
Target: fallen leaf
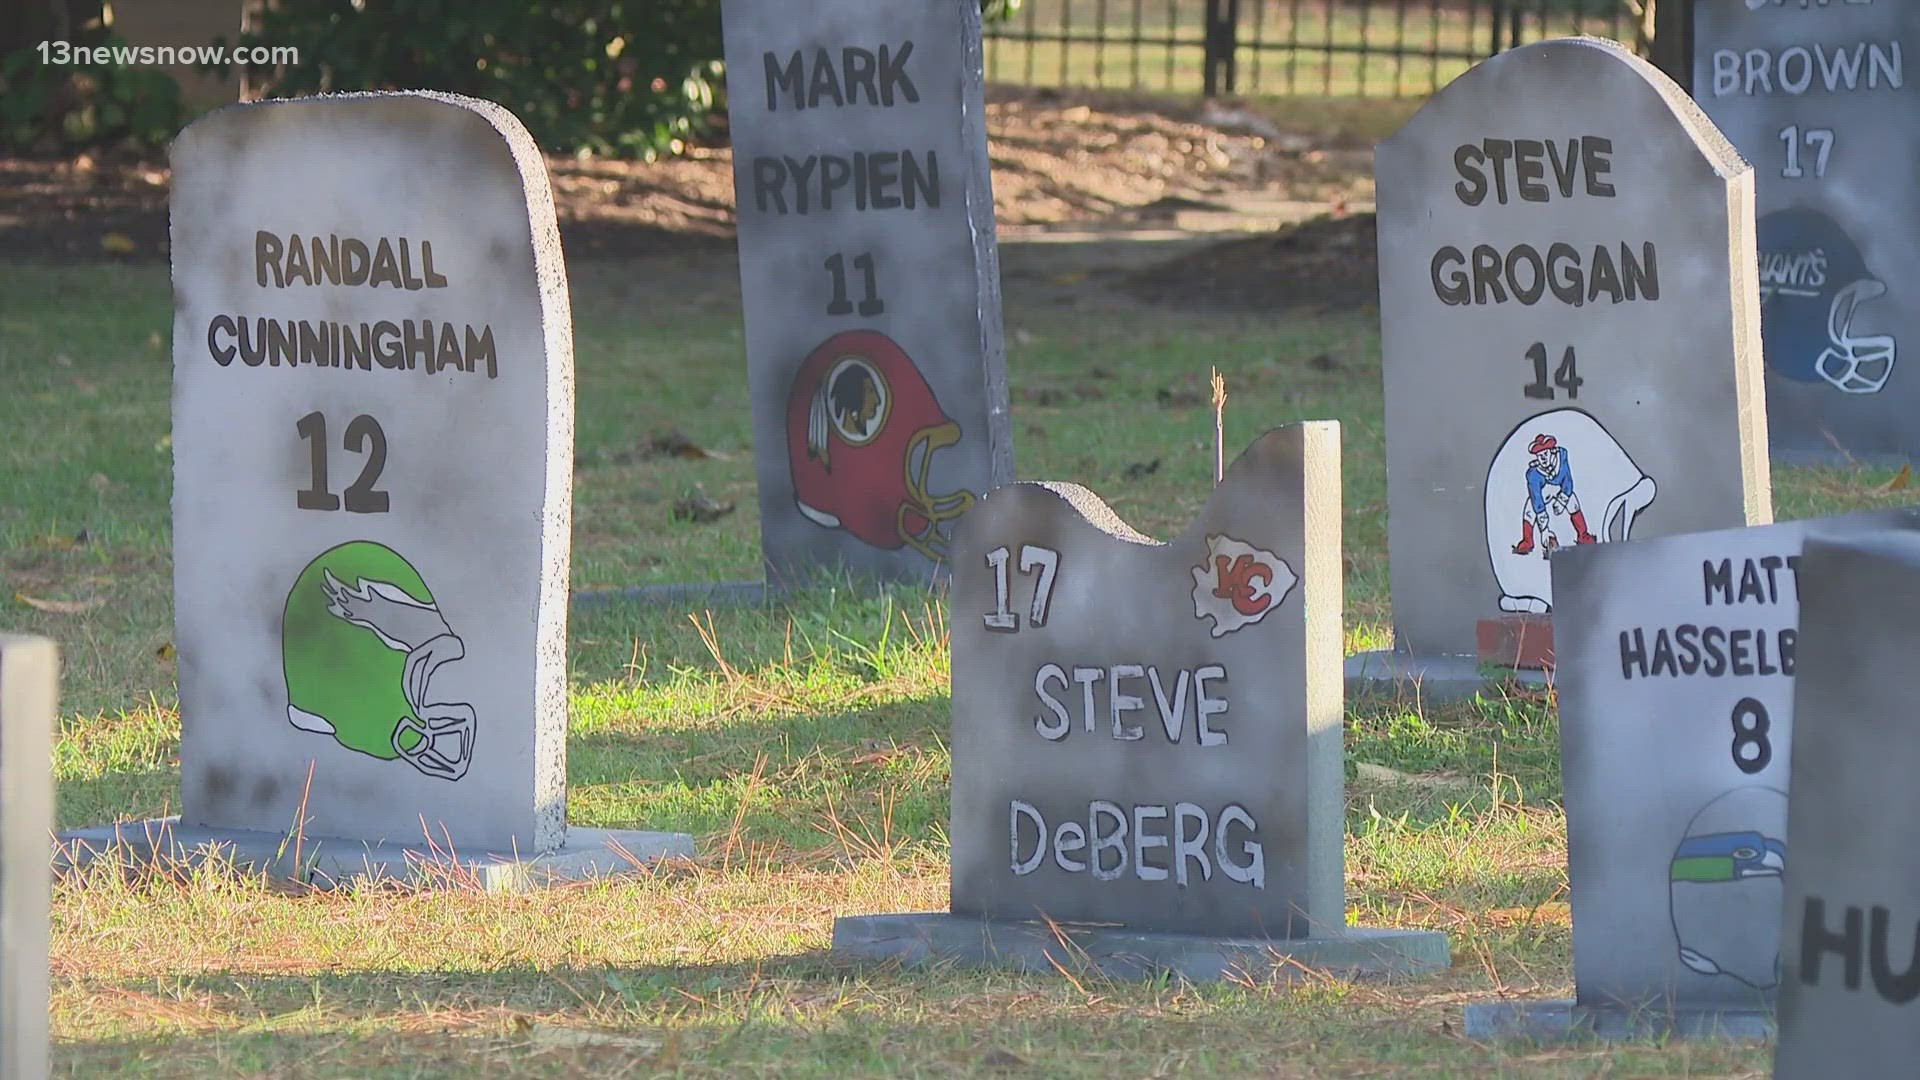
(164, 652)
(117, 243)
(675, 444)
(1139, 469)
(1900, 479)
(61, 607)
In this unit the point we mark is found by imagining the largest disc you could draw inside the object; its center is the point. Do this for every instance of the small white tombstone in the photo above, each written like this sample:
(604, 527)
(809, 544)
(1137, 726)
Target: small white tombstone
(1570, 342)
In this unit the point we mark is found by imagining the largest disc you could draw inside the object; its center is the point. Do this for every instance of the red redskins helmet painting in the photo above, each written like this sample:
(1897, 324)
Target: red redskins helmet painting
(862, 428)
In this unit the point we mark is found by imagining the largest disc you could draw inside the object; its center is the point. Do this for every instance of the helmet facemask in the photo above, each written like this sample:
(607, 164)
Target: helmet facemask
(1866, 362)
(921, 516)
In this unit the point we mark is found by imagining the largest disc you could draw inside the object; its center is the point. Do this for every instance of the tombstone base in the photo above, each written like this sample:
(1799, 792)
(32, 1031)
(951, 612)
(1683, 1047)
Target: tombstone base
(334, 863)
(1561, 1021)
(1118, 953)
(1519, 641)
(1385, 673)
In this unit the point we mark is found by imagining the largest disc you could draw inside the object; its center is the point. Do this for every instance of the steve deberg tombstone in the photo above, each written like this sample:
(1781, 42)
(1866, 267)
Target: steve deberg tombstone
(1147, 736)
(1850, 936)
(1676, 668)
(29, 681)
(1815, 93)
(869, 277)
(1571, 350)
(372, 439)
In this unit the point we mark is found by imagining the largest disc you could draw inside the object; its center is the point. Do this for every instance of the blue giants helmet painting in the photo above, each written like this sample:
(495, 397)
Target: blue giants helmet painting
(1725, 881)
(1812, 284)
(862, 429)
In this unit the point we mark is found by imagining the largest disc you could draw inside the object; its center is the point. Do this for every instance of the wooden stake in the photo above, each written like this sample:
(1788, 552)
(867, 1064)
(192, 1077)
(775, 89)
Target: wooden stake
(1219, 427)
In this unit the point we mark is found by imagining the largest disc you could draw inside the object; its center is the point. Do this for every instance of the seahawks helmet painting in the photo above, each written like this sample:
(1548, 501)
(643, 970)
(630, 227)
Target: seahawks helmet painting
(1725, 881)
(1812, 283)
(360, 640)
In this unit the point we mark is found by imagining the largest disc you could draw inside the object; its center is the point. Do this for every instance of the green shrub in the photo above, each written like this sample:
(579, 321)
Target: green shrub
(75, 105)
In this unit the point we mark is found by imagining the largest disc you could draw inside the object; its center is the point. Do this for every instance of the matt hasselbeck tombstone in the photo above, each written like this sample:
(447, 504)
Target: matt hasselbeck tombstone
(1571, 344)
(1676, 670)
(372, 437)
(1147, 755)
(29, 681)
(870, 279)
(1815, 93)
(1850, 935)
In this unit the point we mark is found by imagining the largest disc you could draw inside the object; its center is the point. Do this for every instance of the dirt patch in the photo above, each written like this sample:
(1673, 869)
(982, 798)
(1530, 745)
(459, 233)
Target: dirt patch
(1327, 264)
(1058, 161)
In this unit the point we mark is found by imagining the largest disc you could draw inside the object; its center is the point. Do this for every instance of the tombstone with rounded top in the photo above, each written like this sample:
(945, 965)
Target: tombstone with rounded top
(372, 438)
(1569, 335)
(1817, 94)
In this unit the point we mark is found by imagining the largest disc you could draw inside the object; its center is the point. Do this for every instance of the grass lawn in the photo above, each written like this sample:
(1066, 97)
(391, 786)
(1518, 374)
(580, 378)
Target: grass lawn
(805, 746)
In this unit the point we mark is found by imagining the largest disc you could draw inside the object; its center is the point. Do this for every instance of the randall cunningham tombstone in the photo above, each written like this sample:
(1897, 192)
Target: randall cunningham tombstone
(1816, 94)
(1570, 343)
(869, 277)
(372, 438)
(1850, 936)
(1676, 668)
(1148, 736)
(29, 684)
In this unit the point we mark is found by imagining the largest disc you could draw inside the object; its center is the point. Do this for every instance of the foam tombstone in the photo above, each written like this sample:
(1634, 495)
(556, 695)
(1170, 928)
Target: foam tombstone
(869, 277)
(29, 686)
(1850, 932)
(1676, 667)
(372, 501)
(1571, 352)
(1817, 96)
(1148, 736)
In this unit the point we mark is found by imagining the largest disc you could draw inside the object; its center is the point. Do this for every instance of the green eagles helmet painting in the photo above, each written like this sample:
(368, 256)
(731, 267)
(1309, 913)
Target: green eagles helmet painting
(360, 640)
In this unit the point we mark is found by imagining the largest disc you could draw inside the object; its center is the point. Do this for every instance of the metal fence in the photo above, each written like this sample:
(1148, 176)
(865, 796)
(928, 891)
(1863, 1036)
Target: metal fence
(1321, 47)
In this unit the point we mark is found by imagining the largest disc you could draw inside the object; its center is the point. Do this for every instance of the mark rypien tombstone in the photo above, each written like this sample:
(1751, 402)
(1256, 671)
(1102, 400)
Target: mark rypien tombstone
(1816, 95)
(372, 437)
(1149, 734)
(1676, 663)
(1850, 936)
(29, 684)
(1570, 341)
(869, 276)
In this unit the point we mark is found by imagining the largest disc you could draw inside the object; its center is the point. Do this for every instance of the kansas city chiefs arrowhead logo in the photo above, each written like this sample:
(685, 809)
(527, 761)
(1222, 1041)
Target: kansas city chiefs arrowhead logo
(1238, 584)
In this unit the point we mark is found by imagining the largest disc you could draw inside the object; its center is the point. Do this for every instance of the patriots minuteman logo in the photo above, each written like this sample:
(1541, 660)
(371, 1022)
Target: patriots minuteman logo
(1238, 584)
(360, 641)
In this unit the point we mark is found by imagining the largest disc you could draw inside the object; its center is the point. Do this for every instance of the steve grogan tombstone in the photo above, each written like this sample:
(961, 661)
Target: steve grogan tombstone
(372, 439)
(1148, 736)
(29, 684)
(1676, 668)
(1850, 935)
(1815, 93)
(1570, 341)
(869, 277)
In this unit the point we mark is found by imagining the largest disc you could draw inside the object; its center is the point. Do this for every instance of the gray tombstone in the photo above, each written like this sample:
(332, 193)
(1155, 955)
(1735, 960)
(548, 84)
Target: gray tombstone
(1148, 735)
(29, 684)
(372, 438)
(1815, 94)
(1676, 666)
(1850, 934)
(869, 276)
(1567, 288)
